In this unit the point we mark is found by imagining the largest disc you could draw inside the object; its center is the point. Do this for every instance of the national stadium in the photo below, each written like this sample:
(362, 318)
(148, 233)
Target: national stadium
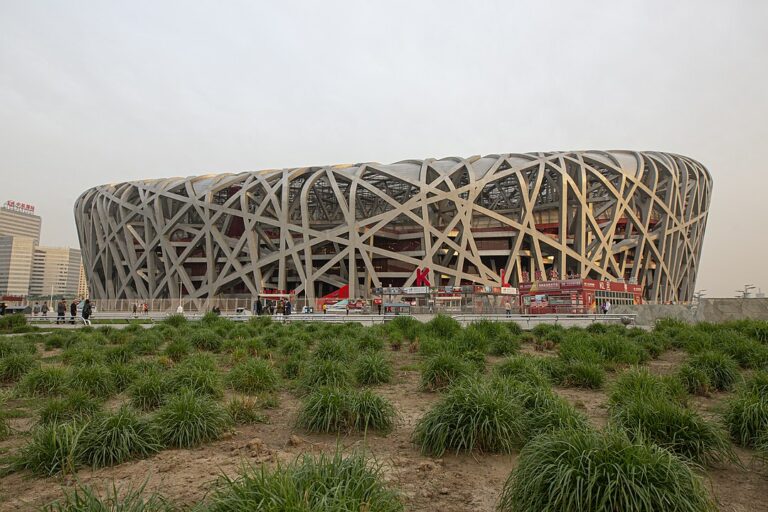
(620, 216)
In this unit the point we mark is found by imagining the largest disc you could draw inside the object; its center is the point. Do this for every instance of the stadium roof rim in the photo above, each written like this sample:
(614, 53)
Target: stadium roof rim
(627, 160)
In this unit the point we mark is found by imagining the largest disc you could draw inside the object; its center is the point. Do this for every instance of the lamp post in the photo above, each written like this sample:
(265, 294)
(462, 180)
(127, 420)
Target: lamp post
(744, 293)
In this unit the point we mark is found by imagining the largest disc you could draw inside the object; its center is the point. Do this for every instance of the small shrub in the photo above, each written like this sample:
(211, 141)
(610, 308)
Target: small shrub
(311, 483)
(145, 342)
(373, 368)
(474, 416)
(114, 438)
(293, 346)
(443, 369)
(721, 369)
(343, 410)
(325, 373)
(120, 354)
(252, 376)
(581, 469)
(77, 405)
(148, 391)
(15, 366)
(96, 380)
(52, 449)
(44, 381)
(188, 420)
(87, 499)
(243, 411)
(291, 367)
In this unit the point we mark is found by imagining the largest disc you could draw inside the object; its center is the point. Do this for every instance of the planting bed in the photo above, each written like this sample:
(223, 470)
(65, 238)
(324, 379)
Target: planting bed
(223, 416)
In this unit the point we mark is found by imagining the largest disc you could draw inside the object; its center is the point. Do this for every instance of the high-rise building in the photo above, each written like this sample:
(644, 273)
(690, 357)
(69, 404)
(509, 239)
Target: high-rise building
(82, 285)
(19, 219)
(55, 271)
(16, 254)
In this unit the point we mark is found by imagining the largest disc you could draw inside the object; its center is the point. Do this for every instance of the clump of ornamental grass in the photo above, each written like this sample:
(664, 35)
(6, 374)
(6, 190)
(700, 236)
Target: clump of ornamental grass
(746, 416)
(695, 380)
(310, 483)
(149, 390)
(345, 410)
(119, 354)
(548, 332)
(747, 352)
(443, 326)
(53, 449)
(145, 342)
(14, 366)
(199, 380)
(654, 343)
(113, 438)
(369, 341)
(292, 346)
(474, 416)
(96, 380)
(88, 499)
(189, 419)
(372, 368)
(15, 345)
(200, 361)
(497, 338)
(83, 354)
(317, 373)
(583, 469)
(252, 376)
(441, 370)
(523, 368)
(206, 339)
(5, 425)
(244, 411)
(720, 368)
(581, 374)
(639, 383)
(679, 429)
(334, 350)
(76, 405)
(44, 381)
(290, 368)
(177, 349)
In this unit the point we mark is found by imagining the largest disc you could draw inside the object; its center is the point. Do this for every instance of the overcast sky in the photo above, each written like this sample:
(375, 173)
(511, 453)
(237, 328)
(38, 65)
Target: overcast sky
(94, 92)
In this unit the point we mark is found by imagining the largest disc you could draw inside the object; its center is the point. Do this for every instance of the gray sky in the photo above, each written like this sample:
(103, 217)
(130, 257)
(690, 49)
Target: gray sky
(94, 92)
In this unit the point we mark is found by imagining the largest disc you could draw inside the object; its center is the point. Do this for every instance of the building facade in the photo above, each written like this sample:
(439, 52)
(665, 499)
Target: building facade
(16, 254)
(55, 271)
(18, 219)
(616, 215)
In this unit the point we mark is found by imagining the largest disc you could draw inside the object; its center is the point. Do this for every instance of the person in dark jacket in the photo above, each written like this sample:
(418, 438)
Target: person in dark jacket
(73, 311)
(87, 310)
(61, 311)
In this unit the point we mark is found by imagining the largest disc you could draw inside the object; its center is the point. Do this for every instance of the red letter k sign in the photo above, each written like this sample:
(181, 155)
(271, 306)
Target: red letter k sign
(421, 277)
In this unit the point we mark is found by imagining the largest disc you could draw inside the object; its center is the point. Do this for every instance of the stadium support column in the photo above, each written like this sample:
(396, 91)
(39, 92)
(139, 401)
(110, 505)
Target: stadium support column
(282, 282)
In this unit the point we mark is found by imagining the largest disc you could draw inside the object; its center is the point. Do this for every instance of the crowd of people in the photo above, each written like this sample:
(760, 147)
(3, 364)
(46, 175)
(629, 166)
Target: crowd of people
(78, 309)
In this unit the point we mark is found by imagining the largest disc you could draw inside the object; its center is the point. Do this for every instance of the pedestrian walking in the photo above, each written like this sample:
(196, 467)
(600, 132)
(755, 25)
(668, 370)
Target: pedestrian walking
(36, 309)
(135, 309)
(288, 307)
(86, 313)
(44, 310)
(61, 311)
(607, 307)
(508, 309)
(259, 308)
(146, 309)
(73, 311)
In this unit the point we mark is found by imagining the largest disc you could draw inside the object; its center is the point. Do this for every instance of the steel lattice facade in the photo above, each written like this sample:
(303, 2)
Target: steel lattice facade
(638, 216)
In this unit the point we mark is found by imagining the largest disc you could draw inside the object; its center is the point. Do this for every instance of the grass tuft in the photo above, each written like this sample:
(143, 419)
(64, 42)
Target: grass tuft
(441, 370)
(373, 368)
(189, 419)
(311, 483)
(252, 376)
(114, 438)
(345, 410)
(578, 469)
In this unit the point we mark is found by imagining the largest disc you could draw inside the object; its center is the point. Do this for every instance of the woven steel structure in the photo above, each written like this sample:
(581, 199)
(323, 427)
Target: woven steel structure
(638, 216)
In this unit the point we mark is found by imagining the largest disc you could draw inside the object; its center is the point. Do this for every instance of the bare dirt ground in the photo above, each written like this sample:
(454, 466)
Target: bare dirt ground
(451, 483)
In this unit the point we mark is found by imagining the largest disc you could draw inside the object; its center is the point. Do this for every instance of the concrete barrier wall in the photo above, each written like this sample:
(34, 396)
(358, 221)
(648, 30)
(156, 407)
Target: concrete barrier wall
(708, 310)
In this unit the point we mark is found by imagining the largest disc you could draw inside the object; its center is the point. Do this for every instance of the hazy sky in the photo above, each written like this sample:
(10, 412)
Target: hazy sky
(94, 92)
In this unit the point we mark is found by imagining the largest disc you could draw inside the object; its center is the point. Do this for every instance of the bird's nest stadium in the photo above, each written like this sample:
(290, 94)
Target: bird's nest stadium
(616, 215)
